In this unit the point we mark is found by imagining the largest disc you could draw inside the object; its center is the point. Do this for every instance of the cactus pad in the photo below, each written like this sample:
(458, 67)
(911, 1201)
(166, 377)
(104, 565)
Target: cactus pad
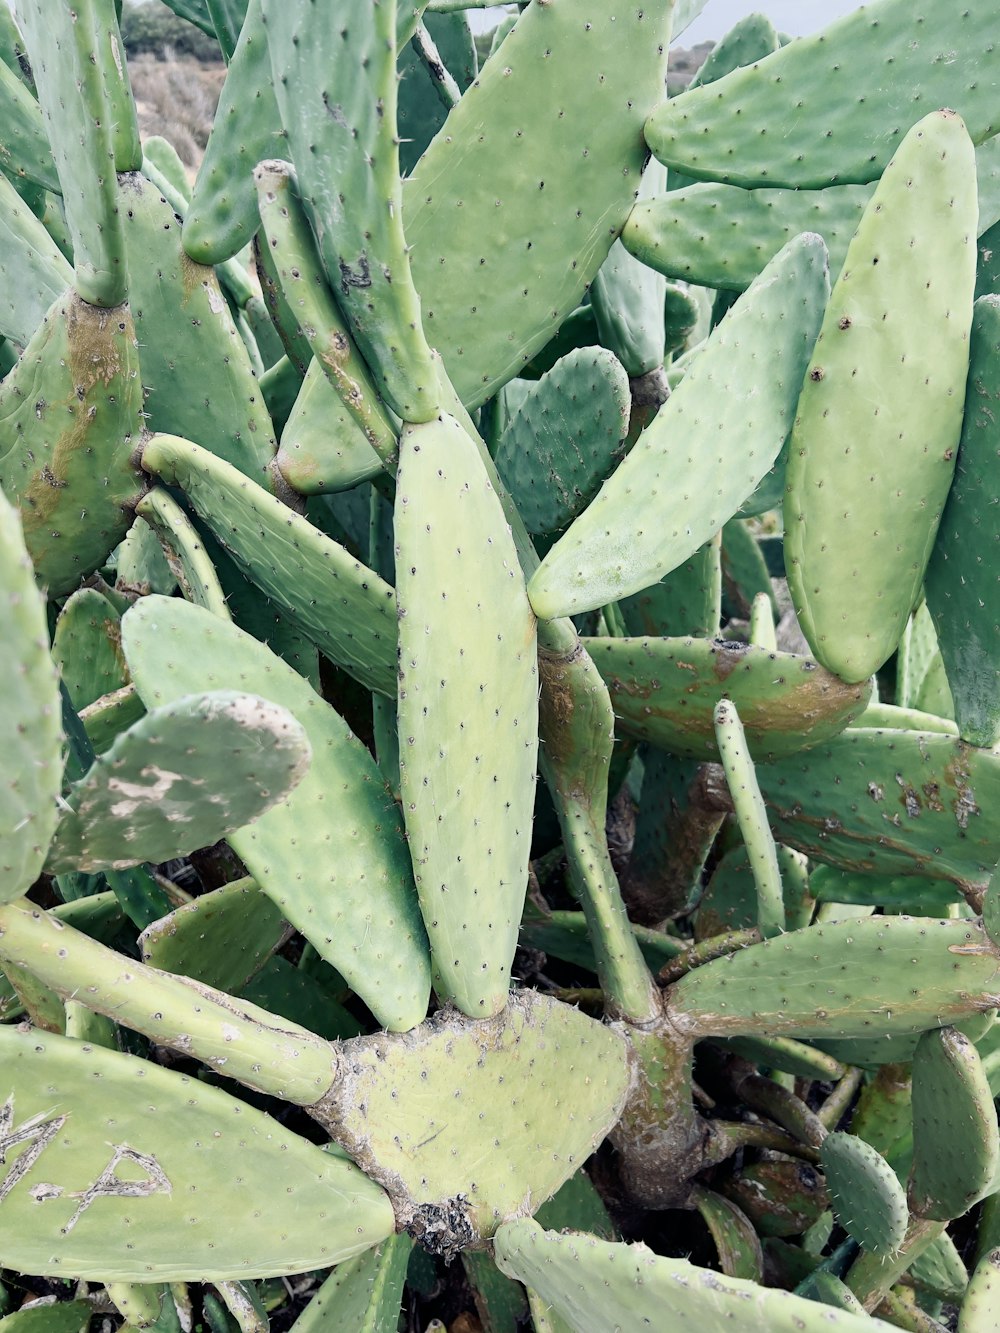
(333, 857)
(706, 451)
(99, 1144)
(154, 795)
(664, 691)
(867, 1197)
(468, 688)
(407, 1107)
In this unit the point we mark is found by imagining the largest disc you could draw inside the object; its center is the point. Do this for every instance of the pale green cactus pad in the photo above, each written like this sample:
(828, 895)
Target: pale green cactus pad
(495, 278)
(956, 1142)
(30, 732)
(351, 894)
(404, 1105)
(63, 45)
(855, 978)
(222, 938)
(107, 1145)
(154, 794)
(468, 729)
(872, 453)
(979, 1308)
(597, 1284)
(334, 78)
(336, 600)
(706, 451)
(821, 112)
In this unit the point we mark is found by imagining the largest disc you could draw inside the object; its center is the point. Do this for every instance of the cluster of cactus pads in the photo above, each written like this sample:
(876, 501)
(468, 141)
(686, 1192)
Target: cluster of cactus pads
(500, 615)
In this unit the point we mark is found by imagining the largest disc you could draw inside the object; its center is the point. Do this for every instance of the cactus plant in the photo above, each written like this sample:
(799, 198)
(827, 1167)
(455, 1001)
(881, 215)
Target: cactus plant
(525, 728)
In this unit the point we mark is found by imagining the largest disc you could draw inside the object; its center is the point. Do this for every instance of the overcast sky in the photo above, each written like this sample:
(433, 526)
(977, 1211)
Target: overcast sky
(797, 17)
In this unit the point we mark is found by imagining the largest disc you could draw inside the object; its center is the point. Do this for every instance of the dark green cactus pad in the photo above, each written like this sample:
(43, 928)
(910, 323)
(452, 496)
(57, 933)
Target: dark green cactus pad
(744, 570)
(247, 128)
(890, 803)
(227, 18)
(63, 45)
(420, 113)
(222, 938)
(101, 1144)
(565, 438)
(899, 893)
(860, 518)
(599, 1284)
(729, 901)
(163, 156)
(306, 297)
(553, 126)
(706, 451)
(737, 1243)
(862, 978)
(302, 998)
(869, 1201)
(86, 648)
(155, 795)
(962, 587)
(141, 567)
(687, 601)
(334, 74)
(781, 1196)
(322, 446)
(33, 272)
(198, 376)
(70, 413)
(196, 12)
(363, 1294)
(722, 236)
(183, 550)
(25, 154)
(397, 1094)
(334, 856)
(921, 682)
(821, 112)
(345, 608)
(940, 1271)
(467, 711)
(665, 690)
(747, 41)
(110, 715)
(627, 296)
(982, 1298)
(30, 733)
(62, 1317)
(956, 1142)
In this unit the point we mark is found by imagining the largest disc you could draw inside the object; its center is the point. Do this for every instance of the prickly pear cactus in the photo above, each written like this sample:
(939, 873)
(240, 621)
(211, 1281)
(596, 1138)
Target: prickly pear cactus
(499, 729)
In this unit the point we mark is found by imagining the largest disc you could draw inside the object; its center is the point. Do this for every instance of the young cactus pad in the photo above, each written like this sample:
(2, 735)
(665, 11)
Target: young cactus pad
(705, 452)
